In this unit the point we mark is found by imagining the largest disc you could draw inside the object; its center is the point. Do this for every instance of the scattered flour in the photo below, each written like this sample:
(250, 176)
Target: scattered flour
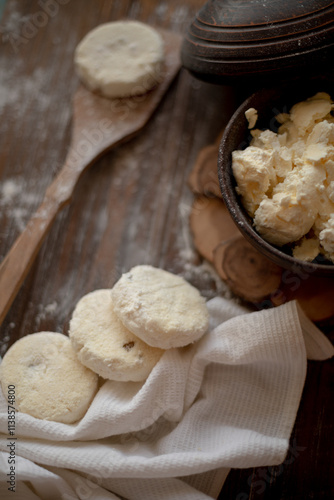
(4, 344)
(16, 201)
(195, 270)
(17, 93)
(9, 190)
(14, 18)
(5, 340)
(205, 273)
(180, 17)
(51, 308)
(44, 311)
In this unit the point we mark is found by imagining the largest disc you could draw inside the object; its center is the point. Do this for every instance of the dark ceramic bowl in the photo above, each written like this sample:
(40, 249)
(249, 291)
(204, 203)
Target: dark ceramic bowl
(268, 102)
(259, 40)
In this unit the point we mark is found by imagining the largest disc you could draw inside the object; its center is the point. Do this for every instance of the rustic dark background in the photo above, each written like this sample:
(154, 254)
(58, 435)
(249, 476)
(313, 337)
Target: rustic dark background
(130, 208)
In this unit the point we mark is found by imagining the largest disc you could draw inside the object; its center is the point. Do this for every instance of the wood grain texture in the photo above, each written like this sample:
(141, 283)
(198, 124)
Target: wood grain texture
(130, 208)
(98, 124)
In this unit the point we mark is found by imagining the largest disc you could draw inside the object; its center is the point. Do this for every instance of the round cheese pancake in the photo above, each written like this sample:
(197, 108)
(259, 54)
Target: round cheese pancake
(50, 383)
(120, 59)
(105, 345)
(159, 307)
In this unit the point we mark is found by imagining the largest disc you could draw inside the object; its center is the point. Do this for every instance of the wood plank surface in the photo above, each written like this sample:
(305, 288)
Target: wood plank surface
(131, 207)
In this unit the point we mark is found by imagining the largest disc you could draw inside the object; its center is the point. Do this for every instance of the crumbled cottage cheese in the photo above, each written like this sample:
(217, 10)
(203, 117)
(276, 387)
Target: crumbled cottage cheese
(252, 116)
(286, 179)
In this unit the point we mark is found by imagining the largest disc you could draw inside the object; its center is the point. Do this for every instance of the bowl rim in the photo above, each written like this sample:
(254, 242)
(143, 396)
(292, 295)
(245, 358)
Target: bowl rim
(232, 199)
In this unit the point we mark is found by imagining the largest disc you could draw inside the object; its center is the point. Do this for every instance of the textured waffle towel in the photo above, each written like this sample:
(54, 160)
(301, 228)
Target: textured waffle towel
(230, 400)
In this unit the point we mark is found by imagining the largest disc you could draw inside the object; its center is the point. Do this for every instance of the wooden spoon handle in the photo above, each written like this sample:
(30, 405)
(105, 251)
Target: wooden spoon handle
(14, 268)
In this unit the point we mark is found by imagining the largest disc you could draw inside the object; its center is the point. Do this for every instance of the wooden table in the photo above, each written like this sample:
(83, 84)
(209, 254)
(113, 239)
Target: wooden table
(130, 208)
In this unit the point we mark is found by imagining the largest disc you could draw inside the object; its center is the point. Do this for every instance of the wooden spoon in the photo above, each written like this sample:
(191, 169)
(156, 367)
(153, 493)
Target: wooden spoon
(98, 125)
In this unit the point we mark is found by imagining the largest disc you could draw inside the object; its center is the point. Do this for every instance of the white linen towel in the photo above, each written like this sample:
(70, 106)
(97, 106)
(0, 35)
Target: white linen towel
(229, 400)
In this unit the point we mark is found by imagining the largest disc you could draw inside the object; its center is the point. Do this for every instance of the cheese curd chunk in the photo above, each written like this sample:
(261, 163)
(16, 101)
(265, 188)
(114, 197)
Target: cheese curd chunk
(50, 383)
(105, 345)
(281, 222)
(253, 171)
(159, 307)
(120, 59)
(293, 208)
(326, 237)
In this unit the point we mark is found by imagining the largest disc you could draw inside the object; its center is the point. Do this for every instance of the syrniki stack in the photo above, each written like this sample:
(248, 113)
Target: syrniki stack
(50, 383)
(120, 59)
(159, 307)
(105, 345)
